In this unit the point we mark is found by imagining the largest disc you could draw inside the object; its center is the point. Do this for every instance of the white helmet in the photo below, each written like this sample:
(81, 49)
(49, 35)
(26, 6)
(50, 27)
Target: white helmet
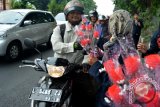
(101, 17)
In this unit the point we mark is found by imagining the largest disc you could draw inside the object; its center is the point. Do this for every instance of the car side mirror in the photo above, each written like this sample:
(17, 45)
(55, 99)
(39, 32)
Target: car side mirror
(27, 22)
(29, 43)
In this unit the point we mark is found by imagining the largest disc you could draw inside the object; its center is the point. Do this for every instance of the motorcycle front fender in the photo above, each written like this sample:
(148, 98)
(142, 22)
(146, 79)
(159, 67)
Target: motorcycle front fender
(45, 82)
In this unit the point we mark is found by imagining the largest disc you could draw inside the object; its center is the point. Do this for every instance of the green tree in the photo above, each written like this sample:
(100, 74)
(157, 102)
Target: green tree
(55, 7)
(88, 5)
(21, 4)
(40, 4)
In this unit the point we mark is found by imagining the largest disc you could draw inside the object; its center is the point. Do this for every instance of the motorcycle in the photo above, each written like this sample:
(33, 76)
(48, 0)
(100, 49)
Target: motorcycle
(55, 88)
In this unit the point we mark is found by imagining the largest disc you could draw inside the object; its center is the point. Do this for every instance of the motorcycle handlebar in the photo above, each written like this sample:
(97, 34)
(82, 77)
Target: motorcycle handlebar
(28, 62)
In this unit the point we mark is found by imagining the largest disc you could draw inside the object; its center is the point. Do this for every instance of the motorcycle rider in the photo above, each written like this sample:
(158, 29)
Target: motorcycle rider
(67, 47)
(105, 36)
(93, 17)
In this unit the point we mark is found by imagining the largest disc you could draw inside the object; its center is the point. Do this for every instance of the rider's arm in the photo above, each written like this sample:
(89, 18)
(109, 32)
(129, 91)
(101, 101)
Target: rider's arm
(153, 45)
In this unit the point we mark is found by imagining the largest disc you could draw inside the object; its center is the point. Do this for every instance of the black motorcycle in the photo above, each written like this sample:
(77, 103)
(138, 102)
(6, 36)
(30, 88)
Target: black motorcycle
(55, 88)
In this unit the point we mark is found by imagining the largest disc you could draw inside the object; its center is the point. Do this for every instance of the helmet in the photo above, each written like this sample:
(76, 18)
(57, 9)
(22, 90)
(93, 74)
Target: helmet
(93, 13)
(101, 17)
(73, 5)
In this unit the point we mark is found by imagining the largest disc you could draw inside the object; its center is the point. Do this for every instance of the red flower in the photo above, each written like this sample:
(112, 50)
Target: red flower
(152, 61)
(96, 34)
(155, 102)
(89, 27)
(115, 73)
(109, 65)
(80, 33)
(132, 64)
(85, 42)
(114, 93)
(83, 27)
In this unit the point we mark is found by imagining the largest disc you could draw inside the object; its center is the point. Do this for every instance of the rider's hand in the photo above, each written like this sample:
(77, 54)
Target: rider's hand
(85, 67)
(92, 59)
(142, 48)
(77, 46)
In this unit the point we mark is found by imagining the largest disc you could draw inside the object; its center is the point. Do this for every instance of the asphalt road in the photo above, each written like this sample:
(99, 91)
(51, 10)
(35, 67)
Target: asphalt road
(16, 83)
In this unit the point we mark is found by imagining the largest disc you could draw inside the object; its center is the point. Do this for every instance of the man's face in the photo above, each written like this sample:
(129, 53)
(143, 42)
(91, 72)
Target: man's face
(93, 19)
(102, 22)
(74, 17)
(136, 16)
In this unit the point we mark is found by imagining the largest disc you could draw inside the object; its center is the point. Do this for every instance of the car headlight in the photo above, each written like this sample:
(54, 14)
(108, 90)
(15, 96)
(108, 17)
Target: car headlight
(3, 35)
(55, 71)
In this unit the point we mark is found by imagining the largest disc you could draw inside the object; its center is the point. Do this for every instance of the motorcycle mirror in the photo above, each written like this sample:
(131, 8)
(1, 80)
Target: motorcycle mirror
(30, 43)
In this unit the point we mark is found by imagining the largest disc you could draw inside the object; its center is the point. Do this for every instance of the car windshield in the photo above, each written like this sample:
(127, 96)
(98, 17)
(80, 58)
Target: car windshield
(60, 17)
(10, 17)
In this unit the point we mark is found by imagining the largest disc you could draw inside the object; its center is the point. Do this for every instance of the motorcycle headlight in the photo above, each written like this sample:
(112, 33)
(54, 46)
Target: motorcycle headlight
(55, 71)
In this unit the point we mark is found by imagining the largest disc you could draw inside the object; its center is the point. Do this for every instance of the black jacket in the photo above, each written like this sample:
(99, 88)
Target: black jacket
(153, 44)
(137, 28)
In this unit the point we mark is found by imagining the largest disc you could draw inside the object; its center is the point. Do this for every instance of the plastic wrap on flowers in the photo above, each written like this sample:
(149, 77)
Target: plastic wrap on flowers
(96, 34)
(85, 42)
(115, 72)
(152, 61)
(84, 36)
(87, 35)
(96, 52)
(144, 92)
(132, 64)
(113, 93)
(83, 27)
(109, 65)
(89, 27)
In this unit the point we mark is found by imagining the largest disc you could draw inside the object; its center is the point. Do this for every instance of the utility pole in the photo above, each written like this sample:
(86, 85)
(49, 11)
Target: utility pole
(4, 4)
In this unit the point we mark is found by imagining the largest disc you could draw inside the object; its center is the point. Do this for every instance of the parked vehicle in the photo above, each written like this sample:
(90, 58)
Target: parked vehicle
(54, 89)
(60, 18)
(17, 24)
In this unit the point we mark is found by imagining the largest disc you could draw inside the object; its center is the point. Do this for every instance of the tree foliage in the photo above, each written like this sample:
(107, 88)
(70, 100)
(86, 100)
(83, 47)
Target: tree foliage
(52, 5)
(149, 11)
(55, 7)
(23, 4)
(41, 4)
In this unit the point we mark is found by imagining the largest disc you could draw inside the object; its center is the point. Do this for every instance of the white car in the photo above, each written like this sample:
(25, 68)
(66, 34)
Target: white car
(18, 24)
(60, 18)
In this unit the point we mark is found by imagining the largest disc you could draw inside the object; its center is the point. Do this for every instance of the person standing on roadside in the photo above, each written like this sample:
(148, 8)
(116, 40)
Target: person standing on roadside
(137, 27)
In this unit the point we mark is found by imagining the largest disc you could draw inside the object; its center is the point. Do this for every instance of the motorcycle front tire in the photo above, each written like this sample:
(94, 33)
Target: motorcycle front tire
(35, 103)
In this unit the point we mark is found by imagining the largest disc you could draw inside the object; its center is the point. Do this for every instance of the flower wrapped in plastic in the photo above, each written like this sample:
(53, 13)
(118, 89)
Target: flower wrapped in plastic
(88, 35)
(142, 87)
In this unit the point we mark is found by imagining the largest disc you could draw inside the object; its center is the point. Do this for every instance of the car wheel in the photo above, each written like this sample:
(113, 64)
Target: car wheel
(13, 51)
